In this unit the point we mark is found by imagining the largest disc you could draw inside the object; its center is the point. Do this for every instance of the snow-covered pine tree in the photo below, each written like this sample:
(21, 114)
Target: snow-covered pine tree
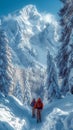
(70, 63)
(27, 91)
(65, 50)
(18, 92)
(52, 82)
(5, 66)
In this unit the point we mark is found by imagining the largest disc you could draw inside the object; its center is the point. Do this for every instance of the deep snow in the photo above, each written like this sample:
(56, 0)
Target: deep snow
(57, 115)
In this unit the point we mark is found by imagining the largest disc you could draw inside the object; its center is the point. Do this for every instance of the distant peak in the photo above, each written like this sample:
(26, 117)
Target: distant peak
(29, 9)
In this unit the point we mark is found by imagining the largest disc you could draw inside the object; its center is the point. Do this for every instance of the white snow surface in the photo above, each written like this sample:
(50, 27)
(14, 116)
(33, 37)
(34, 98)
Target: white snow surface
(57, 115)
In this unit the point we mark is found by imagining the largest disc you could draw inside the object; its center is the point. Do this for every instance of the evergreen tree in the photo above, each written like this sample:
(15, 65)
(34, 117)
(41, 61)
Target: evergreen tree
(5, 66)
(65, 50)
(18, 92)
(27, 91)
(52, 82)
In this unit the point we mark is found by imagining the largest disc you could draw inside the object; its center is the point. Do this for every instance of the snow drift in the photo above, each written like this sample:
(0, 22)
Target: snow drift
(57, 115)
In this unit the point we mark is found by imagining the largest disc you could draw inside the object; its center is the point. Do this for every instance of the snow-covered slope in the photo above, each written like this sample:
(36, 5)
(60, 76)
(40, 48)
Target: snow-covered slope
(57, 115)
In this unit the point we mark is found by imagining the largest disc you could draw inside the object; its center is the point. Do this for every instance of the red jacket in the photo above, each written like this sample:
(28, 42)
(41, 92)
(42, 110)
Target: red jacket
(38, 104)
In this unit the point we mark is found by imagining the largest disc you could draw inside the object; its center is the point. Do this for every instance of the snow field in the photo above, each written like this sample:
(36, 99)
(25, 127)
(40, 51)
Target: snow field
(57, 115)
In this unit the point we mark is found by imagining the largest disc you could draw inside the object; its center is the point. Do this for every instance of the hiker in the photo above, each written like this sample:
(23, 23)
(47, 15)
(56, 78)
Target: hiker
(39, 107)
(32, 105)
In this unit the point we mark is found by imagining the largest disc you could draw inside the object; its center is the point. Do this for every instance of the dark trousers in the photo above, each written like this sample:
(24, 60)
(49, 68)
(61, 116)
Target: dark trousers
(38, 115)
(33, 112)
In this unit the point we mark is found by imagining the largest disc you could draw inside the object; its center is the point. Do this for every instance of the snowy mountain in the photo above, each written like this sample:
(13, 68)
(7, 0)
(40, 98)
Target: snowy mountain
(55, 116)
(30, 33)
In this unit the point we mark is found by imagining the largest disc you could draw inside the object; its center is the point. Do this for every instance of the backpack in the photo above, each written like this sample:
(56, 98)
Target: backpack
(32, 103)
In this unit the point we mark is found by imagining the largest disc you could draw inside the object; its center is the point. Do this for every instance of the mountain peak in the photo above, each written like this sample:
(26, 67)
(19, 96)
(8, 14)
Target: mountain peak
(29, 10)
(31, 32)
